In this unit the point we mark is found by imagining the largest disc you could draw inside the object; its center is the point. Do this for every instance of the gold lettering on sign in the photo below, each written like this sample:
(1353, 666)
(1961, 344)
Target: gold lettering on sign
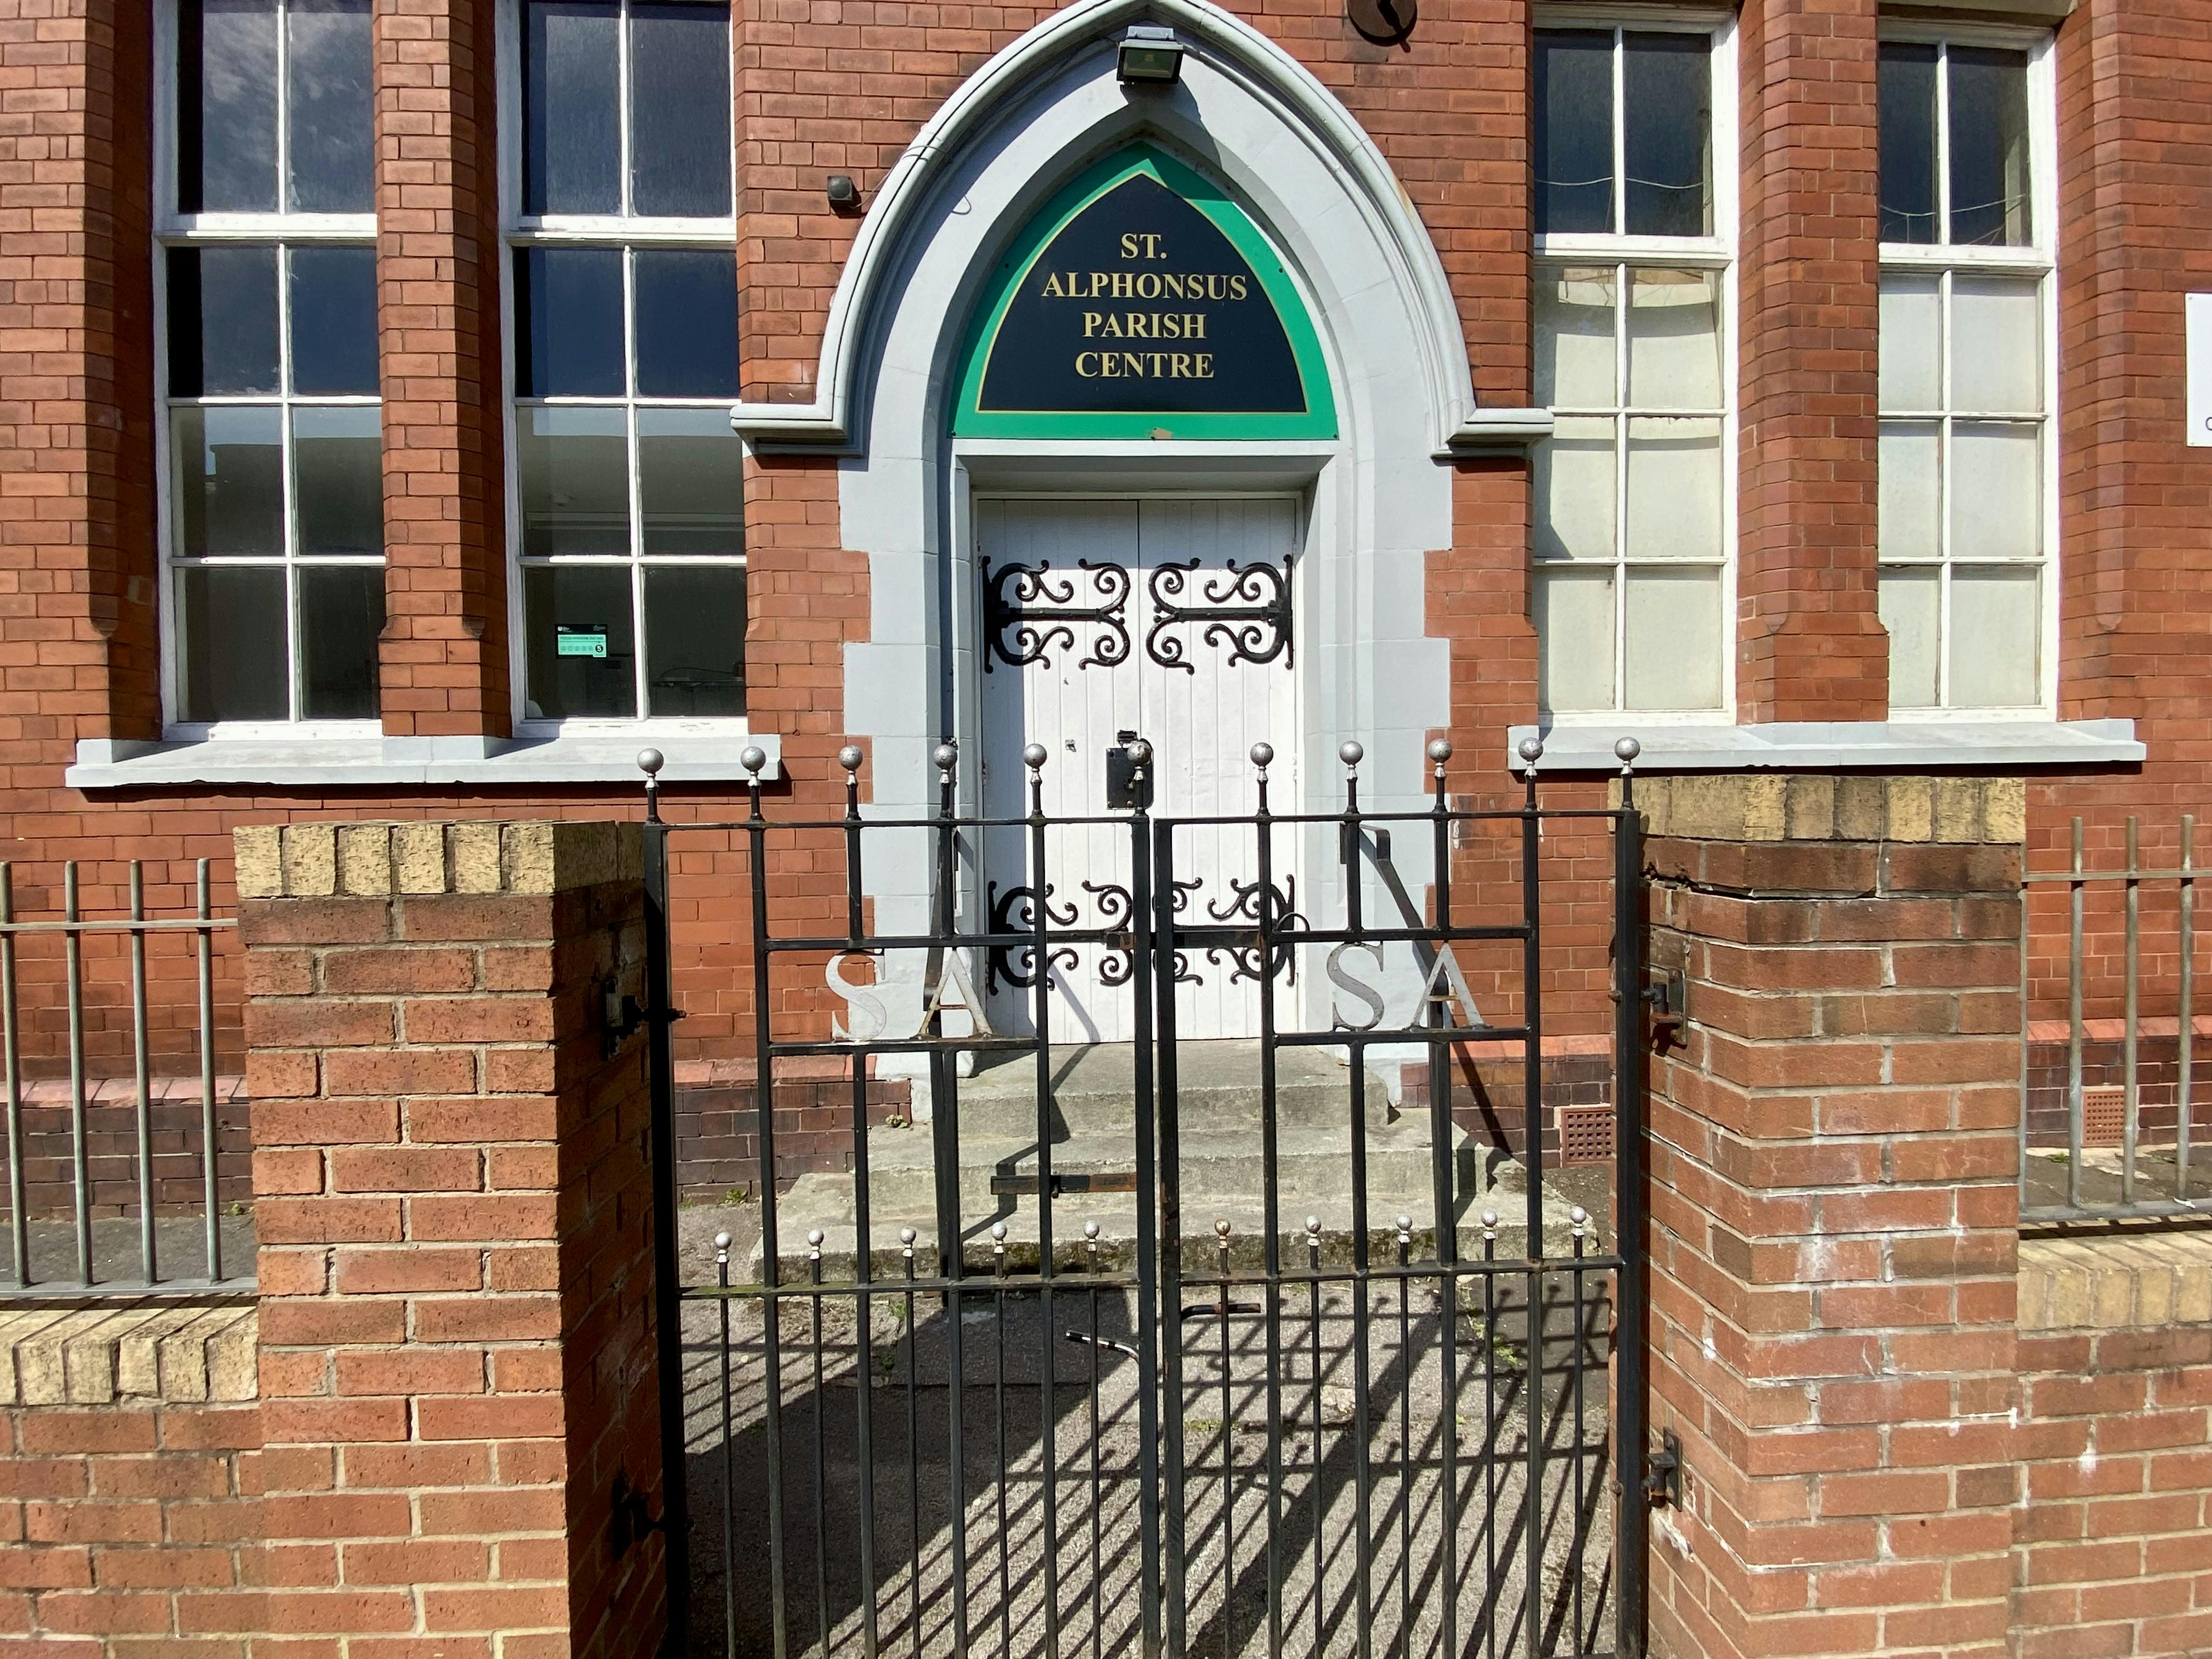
(1143, 325)
(1145, 365)
(1214, 287)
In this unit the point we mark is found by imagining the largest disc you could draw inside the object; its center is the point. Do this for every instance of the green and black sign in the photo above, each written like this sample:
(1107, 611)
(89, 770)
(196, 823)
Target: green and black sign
(1142, 303)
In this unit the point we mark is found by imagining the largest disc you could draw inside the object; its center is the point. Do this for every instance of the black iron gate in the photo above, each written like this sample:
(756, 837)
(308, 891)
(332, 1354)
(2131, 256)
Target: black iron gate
(1093, 1348)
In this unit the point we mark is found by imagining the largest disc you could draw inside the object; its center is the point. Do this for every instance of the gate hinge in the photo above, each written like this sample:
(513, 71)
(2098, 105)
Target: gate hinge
(1662, 1473)
(1668, 995)
(621, 1013)
(628, 1519)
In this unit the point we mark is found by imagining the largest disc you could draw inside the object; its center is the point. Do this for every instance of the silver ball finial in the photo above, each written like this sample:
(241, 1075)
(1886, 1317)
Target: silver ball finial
(1221, 1229)
(1404, 1223)
(1628, 748)
(650, 761)
(1530, 750)
(723, 1241)
(1091, 1230)
(998, 1232)
(944, 757)
(753, 759)
(814, 1236)
(1490, 1221)
(1034, 757)
(1440, 750)
(1351, 751)
(1579, 1217)
(849, 757)
(1140, 753)
(1263, 754)
(907, 1236)
(1313, 1224)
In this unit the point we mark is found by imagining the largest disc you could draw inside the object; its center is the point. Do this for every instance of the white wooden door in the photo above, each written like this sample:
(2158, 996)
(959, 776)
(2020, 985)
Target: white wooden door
(1084, 641)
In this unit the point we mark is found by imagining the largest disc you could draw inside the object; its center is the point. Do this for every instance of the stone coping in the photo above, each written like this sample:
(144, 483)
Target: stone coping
(151, 1353)
(2116, 1282)
(1772, 807)
(380, 861)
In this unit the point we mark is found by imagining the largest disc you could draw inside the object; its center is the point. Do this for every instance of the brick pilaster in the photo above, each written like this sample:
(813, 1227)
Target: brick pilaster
(1809, 642)
(443, 656)
(450, 1179)
(1835, 1213)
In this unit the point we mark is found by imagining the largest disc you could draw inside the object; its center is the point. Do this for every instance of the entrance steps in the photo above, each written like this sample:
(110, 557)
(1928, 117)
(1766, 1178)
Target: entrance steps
(1090, 1123)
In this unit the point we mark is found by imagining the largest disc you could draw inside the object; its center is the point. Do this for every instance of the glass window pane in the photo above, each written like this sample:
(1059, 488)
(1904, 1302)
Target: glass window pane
(1574, 129)
(1667, 120)
(1574, 636)
(1996, 637)
(687, 323)
(234, 645)
(1996, 359)
(334, 321)
(1909, 204)
(679, 56)
(1574, 490)
(1674, 339)
(229, 467)
(1911, 601)
(582, 658)
(338, 462)
(695, 636)
(1910, 484)
(222, 321)
(1673, 639)
(691, 482)
(340, 613)
(1675, 490)
(575, 481)
(227, 106)
(333, 149)
(1990, 197)
(1574, 338)
(1996, 490)
(572, 107)
(569, 322)
(1912, 377)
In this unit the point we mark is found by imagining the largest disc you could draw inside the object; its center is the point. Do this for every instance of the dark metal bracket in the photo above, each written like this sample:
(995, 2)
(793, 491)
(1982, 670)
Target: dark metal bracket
(1668, 995)
(1105, 1181)
(1662, 1473)
(1246, 607)
(629, 1519)
(621, 1013)
(1029, 612)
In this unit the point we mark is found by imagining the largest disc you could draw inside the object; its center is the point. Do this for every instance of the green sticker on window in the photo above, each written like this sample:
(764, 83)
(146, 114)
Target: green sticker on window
(589, 641)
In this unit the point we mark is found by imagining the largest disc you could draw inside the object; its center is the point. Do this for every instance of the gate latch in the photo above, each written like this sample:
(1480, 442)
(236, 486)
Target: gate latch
(621, 1013)
(1125, 791)
(1662, 1473)
(1668, 995)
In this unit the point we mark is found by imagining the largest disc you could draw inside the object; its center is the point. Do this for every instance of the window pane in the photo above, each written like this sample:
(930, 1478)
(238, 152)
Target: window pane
(1574, 129)
(1911, 601)
(1674, 339)
(1907, 95)
(1996, 490)
(575, 481)
(1667, 118)
(1911, 343)
(687, 323)
(1574, 338)
(340, 613)
(569, 322)
(572, 107)
(691, 481)
(1574, 634)
(337, 460)
(1989, 147)
(582, 658)
(695, 633)
(234, 641)
(1997, 362)
(679, 108)
(1574, 485)
(1675, 490)
(222, 321)
(332, 152)
(1673, 639)
(229, 465)
(1995, 637)
(334, 321)
(227, 106)
(1910, 484)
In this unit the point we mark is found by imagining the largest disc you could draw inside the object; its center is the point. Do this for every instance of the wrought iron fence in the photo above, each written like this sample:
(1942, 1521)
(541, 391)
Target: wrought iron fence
(117, 1184)
(2108, 1127)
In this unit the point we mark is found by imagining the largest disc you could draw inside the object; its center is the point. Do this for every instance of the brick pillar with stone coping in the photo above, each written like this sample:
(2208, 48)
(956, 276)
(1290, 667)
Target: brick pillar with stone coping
(1835, 1212)
(452, 1185)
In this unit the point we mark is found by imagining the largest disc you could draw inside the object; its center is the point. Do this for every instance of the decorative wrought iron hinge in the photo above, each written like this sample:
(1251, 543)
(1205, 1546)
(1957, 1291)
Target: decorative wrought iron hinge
(1039, 608)
(1246, 607)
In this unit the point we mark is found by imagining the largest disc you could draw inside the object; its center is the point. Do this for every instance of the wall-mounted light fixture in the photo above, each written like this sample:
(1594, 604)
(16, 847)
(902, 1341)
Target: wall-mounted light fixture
(844, 194)
(1149, 55)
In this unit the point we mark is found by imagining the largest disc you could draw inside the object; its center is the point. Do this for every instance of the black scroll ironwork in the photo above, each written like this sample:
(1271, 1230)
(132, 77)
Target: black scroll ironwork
(1246, 607)
(1028, 609)
(1014, 910)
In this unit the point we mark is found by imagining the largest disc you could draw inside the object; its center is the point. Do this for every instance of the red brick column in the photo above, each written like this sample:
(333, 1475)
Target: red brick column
(451, 1185)
(1809, 643)
(1835, 1213)
(443, 657)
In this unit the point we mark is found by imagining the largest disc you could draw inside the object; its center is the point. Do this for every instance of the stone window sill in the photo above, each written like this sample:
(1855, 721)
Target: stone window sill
(605, 755)
(1882, 745)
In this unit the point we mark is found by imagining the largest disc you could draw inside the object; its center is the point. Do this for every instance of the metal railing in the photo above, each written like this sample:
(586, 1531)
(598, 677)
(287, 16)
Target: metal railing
(113, 1181)
(2108, 1120)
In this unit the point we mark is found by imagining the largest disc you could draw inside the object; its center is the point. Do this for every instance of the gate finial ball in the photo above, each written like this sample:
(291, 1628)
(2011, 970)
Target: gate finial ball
(1628, 748)
(1263, 754)
(1440, 750)
(1530, 750)
(1140, 753)
(849, 757)
(1034, 756)
(650, 761)
(943, 756)
(753, 759)
(1351, 752)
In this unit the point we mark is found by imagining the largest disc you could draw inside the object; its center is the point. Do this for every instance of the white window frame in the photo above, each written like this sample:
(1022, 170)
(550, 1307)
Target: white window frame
(520, 230)
(1715, 252)
(286, 230)
(2039, 258)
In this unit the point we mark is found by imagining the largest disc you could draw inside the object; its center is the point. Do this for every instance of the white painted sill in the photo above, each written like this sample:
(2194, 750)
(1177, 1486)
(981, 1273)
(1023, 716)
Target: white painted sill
(1865, 745)
(599, 755)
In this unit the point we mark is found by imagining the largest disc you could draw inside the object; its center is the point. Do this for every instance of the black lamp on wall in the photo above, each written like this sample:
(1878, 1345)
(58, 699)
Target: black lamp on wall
(1149, 55)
